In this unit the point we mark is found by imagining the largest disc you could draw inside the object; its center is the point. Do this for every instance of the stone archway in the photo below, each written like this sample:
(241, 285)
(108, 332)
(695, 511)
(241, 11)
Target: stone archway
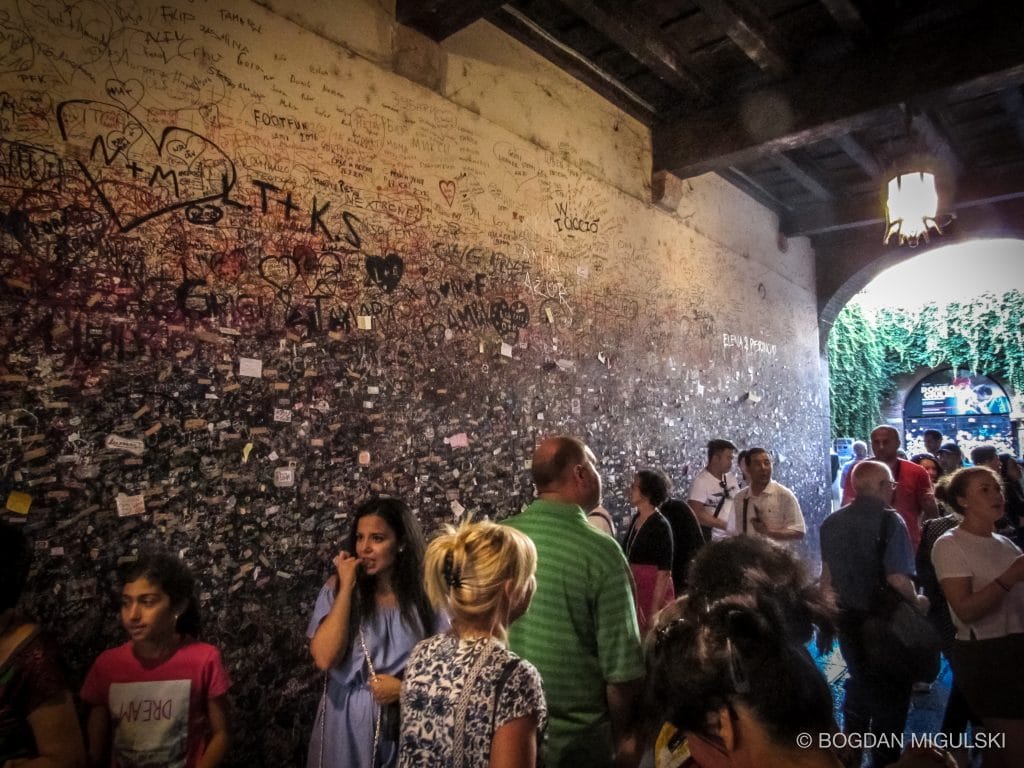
(847, 260)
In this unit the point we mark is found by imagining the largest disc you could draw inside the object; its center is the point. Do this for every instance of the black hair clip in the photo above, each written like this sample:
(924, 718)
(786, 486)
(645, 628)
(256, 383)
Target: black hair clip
(663, 634)
(739, 676)
(452, 575)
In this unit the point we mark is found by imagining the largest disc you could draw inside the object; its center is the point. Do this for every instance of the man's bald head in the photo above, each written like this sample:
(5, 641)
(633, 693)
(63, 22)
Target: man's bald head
(874, 480)
(563, 469)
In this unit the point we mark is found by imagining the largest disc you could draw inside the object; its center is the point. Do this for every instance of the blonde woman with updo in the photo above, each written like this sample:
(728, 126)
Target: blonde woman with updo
(467, 701)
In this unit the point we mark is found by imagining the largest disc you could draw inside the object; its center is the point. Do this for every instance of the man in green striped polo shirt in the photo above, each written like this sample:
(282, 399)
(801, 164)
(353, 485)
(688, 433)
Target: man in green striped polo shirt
(580, 631)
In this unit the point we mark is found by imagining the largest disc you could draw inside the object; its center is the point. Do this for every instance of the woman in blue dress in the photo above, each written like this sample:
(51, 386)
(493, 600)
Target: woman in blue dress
(367, 619)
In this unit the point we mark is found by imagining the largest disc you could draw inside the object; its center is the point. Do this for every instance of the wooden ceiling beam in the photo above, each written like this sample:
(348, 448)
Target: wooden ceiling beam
(848, 16)
(516, 24)
(1013, 105)
(744, 25)
(857, 152)
(937, 144)
(439, 19)
(981, 54)
(802, 176)
(752, 188)
(869, 210)
(645, 43)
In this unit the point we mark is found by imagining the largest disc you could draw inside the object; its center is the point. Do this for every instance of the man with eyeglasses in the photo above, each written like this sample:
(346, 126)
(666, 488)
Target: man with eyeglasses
(858, 543)
(914, 498)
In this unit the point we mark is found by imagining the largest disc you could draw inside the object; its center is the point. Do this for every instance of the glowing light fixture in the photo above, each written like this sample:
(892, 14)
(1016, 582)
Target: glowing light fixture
(911, 207)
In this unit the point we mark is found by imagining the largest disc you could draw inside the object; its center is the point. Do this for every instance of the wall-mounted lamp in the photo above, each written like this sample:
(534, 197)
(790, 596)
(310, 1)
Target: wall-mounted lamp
(911, 207)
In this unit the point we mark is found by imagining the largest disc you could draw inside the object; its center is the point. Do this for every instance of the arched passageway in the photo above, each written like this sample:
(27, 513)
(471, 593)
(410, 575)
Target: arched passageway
(952, 319)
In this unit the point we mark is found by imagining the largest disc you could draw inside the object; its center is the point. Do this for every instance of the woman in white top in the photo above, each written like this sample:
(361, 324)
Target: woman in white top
(982, 577)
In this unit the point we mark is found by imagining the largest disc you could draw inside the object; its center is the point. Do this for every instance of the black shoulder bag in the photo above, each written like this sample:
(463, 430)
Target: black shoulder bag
(899, 640)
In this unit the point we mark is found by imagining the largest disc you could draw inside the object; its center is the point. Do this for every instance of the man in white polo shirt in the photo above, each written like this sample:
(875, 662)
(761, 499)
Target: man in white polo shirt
(767, 508)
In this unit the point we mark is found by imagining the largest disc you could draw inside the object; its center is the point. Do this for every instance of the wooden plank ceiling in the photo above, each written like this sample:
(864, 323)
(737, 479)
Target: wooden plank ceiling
(806, 105)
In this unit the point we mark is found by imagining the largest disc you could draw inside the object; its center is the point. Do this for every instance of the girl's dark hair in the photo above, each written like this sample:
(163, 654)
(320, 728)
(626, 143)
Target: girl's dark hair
(743, 565)
(653, 485)
(736, 651)
(407, 576)
(917, 458)
(174, 577)
(15, 560)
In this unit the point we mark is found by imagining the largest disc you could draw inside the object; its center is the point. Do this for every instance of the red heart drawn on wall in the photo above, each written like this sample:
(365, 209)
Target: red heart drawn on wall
(447, 187)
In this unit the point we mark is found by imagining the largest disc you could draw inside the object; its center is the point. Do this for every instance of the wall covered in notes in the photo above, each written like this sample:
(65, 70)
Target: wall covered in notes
(249, 277)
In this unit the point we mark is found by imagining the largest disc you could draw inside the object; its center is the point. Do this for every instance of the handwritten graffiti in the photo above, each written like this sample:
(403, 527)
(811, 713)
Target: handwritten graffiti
(546, 287)
(748, 344)
(566, 222)
(447, 188)
(480, 258)
(456, 288)
(136, 175)
(29, 165)
(318, 224)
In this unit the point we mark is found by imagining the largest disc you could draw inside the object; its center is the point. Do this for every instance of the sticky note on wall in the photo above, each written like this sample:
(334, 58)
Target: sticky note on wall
(129, 506)
(19, 502)
(251, 367)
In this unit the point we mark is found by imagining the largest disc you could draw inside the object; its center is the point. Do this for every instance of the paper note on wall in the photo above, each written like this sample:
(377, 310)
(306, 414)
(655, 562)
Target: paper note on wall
(251, 367)
(129, 444)
(129, 506)
(19, 502)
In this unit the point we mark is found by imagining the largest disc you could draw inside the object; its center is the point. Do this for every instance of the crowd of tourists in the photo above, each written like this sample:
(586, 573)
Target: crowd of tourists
(546, 639)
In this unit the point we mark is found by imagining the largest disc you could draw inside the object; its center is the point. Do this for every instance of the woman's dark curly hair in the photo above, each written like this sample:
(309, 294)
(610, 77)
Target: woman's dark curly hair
(736, 651)
(742, 565)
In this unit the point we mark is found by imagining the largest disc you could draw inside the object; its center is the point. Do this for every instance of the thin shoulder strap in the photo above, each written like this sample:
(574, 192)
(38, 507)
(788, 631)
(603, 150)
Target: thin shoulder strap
(507, 671)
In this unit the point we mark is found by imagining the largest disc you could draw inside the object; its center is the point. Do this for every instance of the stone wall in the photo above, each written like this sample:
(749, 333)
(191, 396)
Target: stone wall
(250, 274)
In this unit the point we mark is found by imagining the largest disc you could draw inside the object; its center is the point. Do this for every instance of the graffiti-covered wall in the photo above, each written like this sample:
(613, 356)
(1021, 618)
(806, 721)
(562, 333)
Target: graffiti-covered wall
(249, 277)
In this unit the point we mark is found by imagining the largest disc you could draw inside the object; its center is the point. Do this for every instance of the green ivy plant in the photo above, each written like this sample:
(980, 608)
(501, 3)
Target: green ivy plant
(868, 350)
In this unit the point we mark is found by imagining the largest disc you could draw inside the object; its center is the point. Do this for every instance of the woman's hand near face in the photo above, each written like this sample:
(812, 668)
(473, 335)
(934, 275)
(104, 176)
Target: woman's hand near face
(346, 567)
(330, 641)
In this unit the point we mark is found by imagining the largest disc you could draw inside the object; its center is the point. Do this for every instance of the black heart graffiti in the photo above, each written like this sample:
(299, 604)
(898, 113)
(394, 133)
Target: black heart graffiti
(385, 272)
(508, 318)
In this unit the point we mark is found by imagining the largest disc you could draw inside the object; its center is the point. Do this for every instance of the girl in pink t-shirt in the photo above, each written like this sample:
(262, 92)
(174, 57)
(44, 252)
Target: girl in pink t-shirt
(160, 698)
